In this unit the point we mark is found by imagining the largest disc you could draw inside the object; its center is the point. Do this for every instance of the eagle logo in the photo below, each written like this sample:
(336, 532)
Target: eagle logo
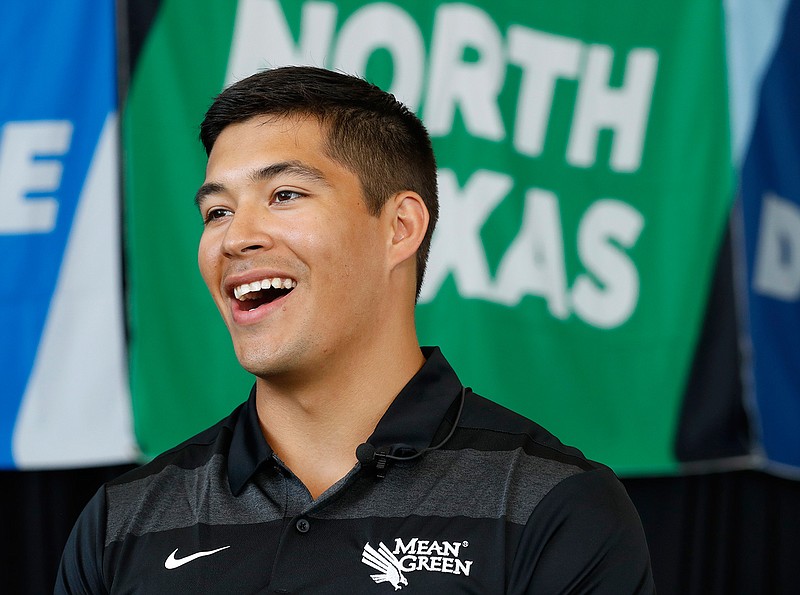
(387, 565)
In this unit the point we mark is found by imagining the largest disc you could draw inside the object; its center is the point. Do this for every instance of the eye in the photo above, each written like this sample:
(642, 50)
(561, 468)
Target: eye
(282, 196)
(215, 213)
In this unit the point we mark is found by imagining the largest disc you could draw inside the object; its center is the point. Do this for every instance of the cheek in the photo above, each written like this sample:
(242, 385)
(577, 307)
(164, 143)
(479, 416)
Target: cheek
(337, 247)
(316, 240)
(207, 254)
(361, 259)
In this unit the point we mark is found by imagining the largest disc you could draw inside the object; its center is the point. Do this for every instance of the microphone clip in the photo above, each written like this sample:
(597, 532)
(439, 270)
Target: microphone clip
(381, 462)
(380, 457)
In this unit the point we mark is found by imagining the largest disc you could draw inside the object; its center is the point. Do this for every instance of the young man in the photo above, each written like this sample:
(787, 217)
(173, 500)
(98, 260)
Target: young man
(359, 464)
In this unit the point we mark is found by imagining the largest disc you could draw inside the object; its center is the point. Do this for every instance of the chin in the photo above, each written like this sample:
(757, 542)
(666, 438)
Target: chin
(260, 366)
(264, 364)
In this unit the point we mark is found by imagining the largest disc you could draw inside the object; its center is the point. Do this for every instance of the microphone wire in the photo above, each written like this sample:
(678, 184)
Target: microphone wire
(385, 455)
(443, 442)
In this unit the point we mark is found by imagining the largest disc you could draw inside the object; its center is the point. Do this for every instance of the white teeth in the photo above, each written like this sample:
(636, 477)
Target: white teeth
(276, 283)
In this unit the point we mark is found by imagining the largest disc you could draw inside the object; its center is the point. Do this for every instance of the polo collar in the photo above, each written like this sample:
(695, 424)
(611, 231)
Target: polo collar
(418, 410)
(411, 421)
(249, 449)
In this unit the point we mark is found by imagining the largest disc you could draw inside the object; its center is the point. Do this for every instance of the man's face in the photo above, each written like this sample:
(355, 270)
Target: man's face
(292, 258)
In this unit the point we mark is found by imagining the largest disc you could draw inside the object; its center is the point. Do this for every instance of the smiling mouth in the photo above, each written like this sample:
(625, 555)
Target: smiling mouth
(252, 295)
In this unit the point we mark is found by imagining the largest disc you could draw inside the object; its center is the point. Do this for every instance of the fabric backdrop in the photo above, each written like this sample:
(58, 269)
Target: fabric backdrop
(585, 272)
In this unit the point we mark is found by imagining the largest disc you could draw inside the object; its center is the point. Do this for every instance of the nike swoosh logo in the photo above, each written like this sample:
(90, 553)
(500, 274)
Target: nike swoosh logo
(172, 562)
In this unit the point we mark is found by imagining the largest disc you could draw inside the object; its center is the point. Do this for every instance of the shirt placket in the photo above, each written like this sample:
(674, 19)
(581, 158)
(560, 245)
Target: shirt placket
(298, 530)
(297, 527)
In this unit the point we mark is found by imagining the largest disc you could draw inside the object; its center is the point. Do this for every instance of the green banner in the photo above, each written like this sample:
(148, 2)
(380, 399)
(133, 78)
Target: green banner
(585, 180)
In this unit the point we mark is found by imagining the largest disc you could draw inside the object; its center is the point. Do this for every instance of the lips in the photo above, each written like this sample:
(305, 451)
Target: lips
(249, 298)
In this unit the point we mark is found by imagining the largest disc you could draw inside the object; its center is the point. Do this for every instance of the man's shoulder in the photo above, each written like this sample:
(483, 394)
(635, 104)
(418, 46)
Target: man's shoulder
(504, 446)
(161, 494)
(487, 425)
(192, 453)
(543, 474)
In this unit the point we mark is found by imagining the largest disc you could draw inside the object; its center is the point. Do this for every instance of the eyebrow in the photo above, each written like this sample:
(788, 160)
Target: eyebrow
(293, 167)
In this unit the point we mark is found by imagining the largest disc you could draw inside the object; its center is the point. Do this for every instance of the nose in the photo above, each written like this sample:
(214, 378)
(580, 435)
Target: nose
(248, 231)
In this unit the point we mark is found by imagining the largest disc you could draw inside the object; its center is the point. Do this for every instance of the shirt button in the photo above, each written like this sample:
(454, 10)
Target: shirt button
(302, 525)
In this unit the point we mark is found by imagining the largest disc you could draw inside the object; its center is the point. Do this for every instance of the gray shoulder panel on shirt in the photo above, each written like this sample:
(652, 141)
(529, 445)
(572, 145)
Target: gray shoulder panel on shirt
(446, 483)
(175, 497)
(442, 483)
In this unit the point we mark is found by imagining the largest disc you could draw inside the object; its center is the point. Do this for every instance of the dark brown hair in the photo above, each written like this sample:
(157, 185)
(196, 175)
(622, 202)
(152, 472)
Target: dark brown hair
(368, 131)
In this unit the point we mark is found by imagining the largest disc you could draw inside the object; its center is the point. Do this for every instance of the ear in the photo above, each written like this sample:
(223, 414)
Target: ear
(409, 222)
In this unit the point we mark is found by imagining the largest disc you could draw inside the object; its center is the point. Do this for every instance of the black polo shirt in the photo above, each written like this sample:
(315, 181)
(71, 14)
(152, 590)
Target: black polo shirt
(501, 507)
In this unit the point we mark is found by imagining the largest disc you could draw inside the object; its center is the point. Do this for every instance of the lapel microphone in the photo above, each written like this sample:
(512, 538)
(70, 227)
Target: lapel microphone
(380, 457)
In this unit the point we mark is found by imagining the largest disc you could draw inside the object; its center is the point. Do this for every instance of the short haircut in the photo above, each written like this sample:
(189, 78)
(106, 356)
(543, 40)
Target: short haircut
(368, 131)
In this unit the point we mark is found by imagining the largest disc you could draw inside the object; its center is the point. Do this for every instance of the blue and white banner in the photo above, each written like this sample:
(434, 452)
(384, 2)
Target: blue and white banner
(771, 215)
(64, 397)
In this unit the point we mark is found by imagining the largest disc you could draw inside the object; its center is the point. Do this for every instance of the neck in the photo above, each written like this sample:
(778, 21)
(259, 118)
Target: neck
(315, 423)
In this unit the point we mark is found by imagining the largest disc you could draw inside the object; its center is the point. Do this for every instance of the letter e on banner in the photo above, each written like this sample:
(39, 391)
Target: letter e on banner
(28, 165)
